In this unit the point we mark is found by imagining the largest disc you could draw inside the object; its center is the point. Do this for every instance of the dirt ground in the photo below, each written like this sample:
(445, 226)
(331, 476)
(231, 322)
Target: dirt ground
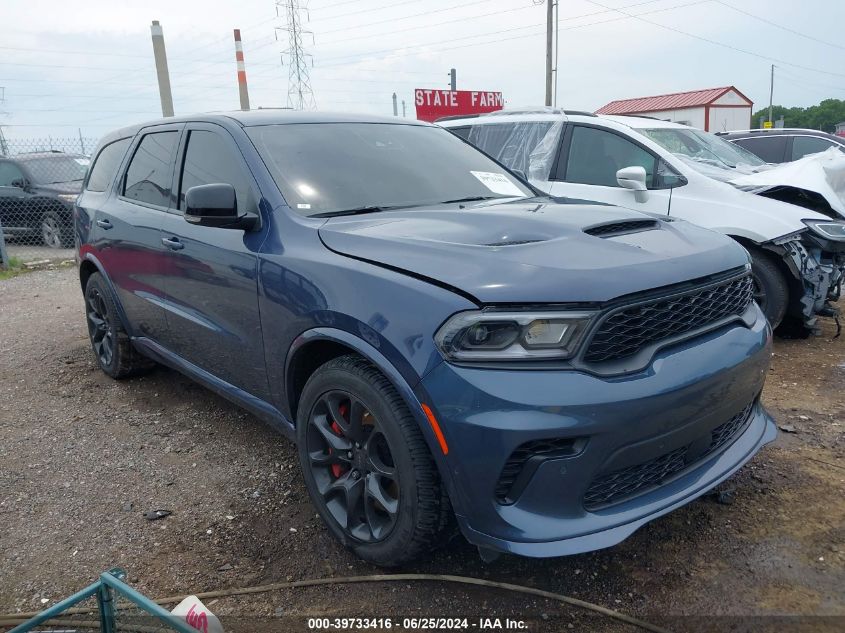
(83, 456)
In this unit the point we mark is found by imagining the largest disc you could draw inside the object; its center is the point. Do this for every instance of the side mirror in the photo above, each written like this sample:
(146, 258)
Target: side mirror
(20, 183)
(217, 205)
(633, 178)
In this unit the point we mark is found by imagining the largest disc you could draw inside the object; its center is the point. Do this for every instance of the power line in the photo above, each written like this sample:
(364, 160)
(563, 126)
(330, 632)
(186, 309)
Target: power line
(779, 26)
(362, 56)
(717, 43)
(408, 17)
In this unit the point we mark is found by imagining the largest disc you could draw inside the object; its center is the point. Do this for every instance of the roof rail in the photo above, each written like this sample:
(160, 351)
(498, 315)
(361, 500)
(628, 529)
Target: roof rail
(580, 113)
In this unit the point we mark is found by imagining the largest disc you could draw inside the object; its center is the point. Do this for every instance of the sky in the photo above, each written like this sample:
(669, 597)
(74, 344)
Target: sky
(86, 66)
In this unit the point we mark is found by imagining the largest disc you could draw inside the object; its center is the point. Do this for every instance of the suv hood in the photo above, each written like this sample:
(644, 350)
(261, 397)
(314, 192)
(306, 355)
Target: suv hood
(534, 253)
(822, 174)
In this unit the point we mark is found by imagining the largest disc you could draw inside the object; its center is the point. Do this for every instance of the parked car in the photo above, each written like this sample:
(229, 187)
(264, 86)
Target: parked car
(37, 191)
(798, 256)
(443, 342)
(782, 145)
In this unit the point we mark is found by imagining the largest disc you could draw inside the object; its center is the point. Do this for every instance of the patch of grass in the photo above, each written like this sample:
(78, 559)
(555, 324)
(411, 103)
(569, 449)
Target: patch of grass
(14, 268)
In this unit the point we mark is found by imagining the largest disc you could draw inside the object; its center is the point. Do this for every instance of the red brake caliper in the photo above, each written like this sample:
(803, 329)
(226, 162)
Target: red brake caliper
(337, 469)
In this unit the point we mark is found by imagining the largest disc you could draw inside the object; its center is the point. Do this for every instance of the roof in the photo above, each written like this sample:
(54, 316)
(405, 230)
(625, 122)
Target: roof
(642, 122)
(262, 116)
(673, 101)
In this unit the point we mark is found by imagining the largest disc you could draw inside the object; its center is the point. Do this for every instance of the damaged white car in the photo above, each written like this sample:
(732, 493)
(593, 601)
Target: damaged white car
(798, 255)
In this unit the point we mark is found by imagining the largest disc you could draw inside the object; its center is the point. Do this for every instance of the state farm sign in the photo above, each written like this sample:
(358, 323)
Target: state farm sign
(433, 104)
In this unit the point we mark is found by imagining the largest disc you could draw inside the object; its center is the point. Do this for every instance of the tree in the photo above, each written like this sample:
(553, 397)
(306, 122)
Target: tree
(823, 117)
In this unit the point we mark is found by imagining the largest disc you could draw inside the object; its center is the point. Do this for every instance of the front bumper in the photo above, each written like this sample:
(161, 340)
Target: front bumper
(618, 424)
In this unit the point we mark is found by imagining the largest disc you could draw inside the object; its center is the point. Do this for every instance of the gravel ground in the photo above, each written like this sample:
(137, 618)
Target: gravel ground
(83, 457)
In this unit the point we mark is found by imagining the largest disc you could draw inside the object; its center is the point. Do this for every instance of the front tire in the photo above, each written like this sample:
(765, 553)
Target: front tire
(55, 232)
(112, 348)
(771, 290)
(366, 465)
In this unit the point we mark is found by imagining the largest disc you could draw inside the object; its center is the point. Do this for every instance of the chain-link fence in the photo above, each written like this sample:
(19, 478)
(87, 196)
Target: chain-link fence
(39, 182)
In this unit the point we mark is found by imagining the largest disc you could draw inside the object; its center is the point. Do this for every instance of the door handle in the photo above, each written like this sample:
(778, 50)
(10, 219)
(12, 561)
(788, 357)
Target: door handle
(104, 224)
(172, 243)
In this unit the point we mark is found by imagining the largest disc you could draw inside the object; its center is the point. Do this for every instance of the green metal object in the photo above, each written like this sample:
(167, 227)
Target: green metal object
(119, 606)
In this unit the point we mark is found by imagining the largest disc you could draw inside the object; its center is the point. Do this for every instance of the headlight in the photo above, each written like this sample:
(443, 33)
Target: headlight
(513, 335)
(68, 198)
(828, 229)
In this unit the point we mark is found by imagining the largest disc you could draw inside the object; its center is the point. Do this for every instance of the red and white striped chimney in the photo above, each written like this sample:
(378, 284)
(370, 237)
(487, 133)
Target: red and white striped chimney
(239, 57)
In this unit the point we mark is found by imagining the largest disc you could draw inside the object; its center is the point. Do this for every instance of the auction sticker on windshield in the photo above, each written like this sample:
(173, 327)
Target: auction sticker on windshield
(498, 183)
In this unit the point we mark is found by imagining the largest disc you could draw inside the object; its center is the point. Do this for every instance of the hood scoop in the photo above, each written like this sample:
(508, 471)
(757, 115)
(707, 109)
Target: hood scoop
(612, 229)
(513, 242)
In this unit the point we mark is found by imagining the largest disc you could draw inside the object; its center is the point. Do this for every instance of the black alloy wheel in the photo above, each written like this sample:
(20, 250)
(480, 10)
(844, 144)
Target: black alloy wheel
(367, 467)
(352, 465)
(115, 353)
(99, 326)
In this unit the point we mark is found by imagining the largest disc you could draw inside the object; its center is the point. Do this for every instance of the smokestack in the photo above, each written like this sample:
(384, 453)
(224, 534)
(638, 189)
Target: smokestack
(160, 55)
(239, 57)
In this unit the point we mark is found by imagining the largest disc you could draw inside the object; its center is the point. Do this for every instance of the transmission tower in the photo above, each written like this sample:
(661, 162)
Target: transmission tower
(300, 94)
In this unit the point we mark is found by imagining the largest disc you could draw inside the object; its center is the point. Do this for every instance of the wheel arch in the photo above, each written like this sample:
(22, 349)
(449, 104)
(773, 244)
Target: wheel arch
(790, 274)
(314, 347)
(90, 265)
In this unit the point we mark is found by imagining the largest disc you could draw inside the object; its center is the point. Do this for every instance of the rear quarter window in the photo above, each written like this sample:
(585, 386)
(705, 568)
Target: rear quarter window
(106, 164)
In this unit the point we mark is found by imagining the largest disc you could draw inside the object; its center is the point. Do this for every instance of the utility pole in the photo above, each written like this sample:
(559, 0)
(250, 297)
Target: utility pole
(453, 80)
(771, 93)
(395, 110)
(300, 93)
(549, 42)
(243, 92)
(160, 55)
(403, 109)
(81, 142)
(4, 148)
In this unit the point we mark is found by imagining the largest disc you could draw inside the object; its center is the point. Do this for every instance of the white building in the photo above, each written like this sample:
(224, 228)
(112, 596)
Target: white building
(712, 110)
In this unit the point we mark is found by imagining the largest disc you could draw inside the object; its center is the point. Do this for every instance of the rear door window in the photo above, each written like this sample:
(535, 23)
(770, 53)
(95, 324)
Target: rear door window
(804, 145)
(209, 159)
(770, 148)
(596, 155)
(106, 164)
(150, 174)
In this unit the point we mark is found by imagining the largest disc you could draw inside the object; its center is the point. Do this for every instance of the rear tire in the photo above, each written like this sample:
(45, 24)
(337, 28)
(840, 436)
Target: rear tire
(771, 290)
(115, 354)
(387, 514)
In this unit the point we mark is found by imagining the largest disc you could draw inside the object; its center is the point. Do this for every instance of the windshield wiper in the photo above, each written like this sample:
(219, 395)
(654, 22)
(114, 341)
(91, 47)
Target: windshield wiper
(361, 210)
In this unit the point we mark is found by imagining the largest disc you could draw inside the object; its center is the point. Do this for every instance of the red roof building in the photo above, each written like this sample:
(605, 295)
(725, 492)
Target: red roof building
(713, 110)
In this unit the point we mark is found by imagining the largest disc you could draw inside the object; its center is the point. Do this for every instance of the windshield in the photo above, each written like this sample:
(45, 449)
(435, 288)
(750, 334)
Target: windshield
(702, 146)
(53, 169)
(322, 168)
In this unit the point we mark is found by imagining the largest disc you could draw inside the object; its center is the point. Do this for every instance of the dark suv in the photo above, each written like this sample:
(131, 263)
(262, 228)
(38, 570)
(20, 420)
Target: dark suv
(782, 145)
(37, 192)
(443, 342)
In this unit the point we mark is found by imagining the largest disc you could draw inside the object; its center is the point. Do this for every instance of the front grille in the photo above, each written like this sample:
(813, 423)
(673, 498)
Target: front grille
(625, 483)
(620, 228)
(628, 330)
(556, 447)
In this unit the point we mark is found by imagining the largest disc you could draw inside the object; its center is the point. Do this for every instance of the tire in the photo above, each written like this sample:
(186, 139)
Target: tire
(115, 354)
(394, 519)
(55, 232)
(771, 289)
